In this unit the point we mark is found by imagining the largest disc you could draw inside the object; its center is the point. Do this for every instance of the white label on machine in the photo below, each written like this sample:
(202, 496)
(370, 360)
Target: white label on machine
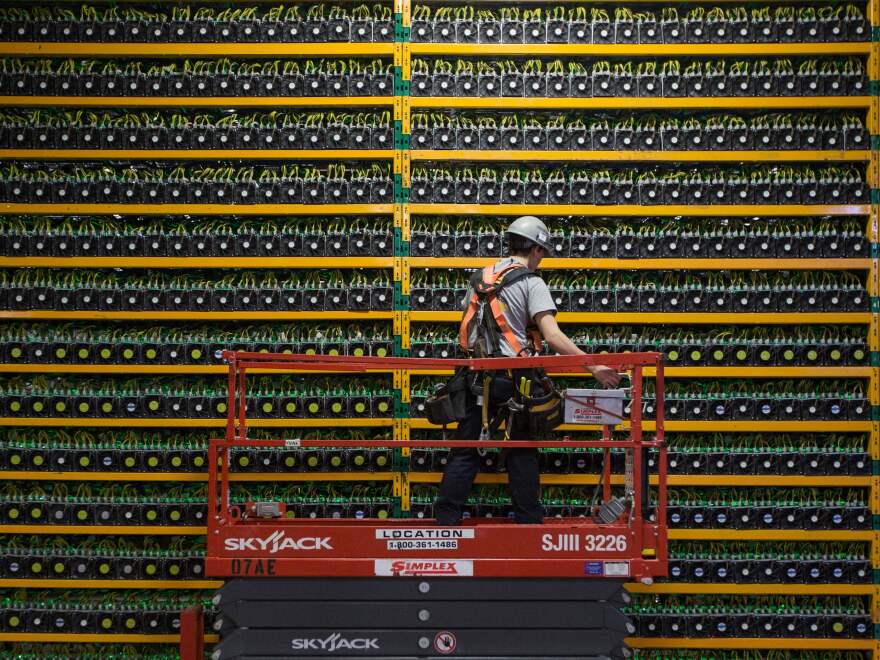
(425, 533)
(410, 567)
(616, 569)
(588, 406)
(293, 442)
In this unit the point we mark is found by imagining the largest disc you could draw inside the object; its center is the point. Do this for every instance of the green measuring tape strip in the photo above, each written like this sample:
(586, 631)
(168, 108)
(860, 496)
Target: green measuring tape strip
(401, 139)
(401, 247)
(401, 301)
(401, 32)
(401, 194)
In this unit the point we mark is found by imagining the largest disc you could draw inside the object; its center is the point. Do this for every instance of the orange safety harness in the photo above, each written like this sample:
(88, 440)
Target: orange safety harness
(486, 286)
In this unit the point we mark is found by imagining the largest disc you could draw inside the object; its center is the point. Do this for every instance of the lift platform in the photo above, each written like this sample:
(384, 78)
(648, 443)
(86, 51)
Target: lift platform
(516, 576)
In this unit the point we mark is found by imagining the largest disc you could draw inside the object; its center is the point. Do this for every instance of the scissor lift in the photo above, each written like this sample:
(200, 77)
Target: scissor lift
(385, 588)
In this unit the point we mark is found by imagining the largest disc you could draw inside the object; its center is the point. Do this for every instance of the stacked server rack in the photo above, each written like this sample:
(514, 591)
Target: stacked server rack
(627, 170)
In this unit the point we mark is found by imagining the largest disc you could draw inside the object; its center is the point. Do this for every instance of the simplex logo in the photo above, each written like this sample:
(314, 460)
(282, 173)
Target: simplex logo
(278, 541)
(334, 642)
(404, 567)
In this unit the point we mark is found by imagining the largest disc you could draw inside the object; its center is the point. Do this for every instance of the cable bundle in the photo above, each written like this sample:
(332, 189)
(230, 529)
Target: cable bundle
(192, 23)
(601, 238)
(198, 398)
(768, 616)
(196, 237)
(773, 562)
(222, 77)
(440, 184)
(80, 129)
(204, 184)
(334, 290)
(102, 612)
(645, 79)
(664, 24)
(646, 291)
(172, 344)
(600, 132)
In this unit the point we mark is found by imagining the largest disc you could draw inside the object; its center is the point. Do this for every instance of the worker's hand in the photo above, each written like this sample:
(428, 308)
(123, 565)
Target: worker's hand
(605, 375)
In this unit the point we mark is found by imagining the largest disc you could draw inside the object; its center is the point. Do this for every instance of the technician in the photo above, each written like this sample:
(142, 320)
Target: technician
(506, 315)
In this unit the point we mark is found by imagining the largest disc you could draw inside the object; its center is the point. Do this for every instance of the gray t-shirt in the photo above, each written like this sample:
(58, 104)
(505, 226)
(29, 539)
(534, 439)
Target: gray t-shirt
(521, 302)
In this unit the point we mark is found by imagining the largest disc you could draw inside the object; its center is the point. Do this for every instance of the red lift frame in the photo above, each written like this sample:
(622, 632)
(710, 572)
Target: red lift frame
(632, 547)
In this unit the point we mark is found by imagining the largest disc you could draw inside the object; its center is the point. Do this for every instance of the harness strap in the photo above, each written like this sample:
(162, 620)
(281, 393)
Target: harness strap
(488, 286)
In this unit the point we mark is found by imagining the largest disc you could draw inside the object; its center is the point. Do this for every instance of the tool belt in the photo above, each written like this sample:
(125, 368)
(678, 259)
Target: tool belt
(533, 415)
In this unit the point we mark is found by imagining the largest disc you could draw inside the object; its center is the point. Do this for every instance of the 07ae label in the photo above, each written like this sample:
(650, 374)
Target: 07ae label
(587, 543)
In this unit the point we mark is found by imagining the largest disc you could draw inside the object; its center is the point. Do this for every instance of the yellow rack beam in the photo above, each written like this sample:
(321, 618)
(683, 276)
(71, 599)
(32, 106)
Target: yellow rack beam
(431, 262)
(638, 211)
(191, 423)
(665, 318)
(101, 530)
(626, 264)
(197, 476)
(109, 584)
(201, 369)
(203, 262)
(92, 638)
(196, 209)
(195, 101)
(205, 154)
(748, 589)
(707, 426)
(674, 534)
(620, 103)
(643, 50)
(672, 480)
(716, 156)
(750, 642)
(671, 372)
(196, 316)
(93, 49)
(768, 535)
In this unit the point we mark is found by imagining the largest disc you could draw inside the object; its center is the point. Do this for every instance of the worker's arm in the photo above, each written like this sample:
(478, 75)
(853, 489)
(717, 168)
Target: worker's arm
(559, 342)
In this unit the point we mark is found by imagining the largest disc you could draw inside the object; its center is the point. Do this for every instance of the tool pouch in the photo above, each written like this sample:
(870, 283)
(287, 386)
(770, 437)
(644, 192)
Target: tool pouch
(543, 414)
(447, 404)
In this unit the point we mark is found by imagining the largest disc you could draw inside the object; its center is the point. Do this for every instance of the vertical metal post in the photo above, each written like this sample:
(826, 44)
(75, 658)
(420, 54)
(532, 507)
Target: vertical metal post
(192, 633)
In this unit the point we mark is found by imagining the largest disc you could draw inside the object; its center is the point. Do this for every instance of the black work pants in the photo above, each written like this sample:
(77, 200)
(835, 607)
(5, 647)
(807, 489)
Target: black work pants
(464, 463)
